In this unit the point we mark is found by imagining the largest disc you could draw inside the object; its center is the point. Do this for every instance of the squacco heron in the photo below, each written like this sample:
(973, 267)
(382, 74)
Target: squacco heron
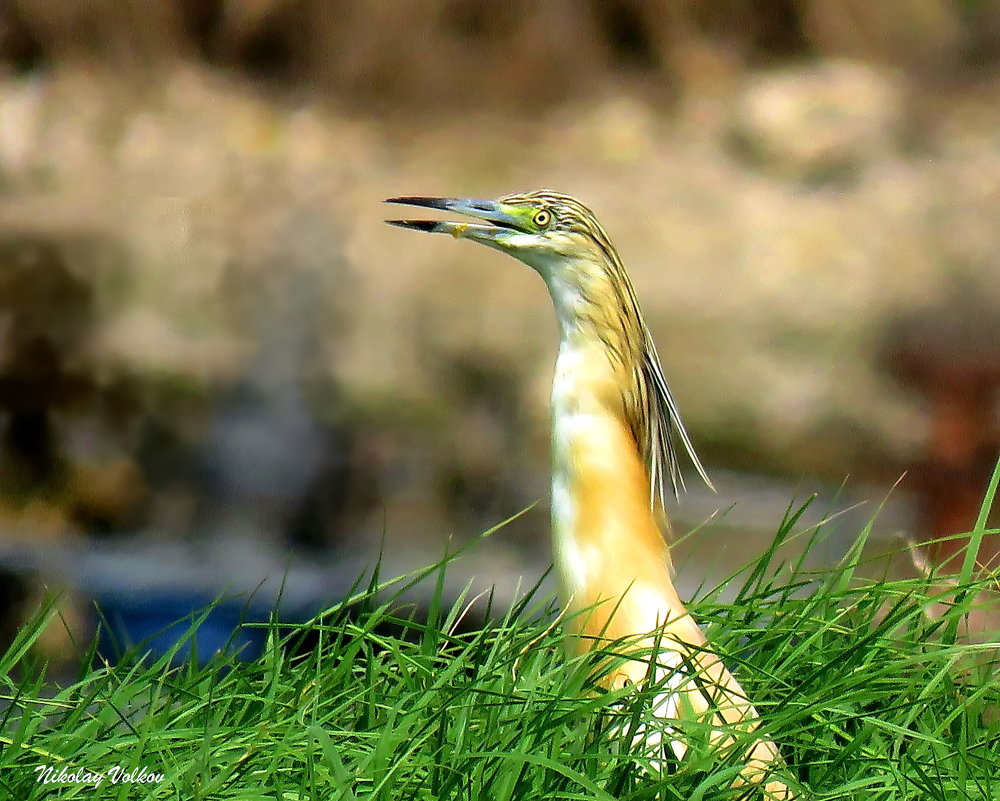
(615, 426)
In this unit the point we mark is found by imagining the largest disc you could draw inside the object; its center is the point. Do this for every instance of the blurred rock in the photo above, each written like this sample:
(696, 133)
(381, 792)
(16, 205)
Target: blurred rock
(145, 341)
(818, 124)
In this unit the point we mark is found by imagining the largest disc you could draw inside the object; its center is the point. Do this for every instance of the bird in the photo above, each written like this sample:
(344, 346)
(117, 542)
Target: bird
(616, 440)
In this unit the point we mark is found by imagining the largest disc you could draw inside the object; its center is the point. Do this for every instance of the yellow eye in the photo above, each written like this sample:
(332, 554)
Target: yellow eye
(542, 218)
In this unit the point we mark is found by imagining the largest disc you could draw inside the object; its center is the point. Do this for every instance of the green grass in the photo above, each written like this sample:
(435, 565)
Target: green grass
(868, 695)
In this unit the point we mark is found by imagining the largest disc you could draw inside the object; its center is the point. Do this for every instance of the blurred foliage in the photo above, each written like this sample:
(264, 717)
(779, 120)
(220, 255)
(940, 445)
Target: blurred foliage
(467, 52)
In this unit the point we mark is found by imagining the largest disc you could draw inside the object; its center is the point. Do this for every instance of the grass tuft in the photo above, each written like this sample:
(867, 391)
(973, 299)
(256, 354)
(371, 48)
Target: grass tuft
(864, 683)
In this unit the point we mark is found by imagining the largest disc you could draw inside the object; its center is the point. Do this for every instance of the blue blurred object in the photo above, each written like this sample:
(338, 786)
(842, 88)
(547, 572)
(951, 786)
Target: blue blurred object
(157, 622)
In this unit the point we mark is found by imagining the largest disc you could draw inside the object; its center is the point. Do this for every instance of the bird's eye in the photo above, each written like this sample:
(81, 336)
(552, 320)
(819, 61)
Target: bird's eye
(542, 218)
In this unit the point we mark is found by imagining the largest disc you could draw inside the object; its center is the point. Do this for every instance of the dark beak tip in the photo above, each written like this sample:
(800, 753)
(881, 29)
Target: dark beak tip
(424, 202)
(414, 225)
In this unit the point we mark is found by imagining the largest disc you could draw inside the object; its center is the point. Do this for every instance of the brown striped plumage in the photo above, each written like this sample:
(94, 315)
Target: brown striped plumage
(612, 316)
(613, 423)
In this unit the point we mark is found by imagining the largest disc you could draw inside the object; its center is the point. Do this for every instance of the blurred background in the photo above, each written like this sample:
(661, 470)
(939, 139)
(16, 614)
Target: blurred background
(220, 372)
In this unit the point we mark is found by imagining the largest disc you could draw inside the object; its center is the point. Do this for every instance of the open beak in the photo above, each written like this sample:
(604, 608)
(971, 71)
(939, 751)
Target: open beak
(501, 224)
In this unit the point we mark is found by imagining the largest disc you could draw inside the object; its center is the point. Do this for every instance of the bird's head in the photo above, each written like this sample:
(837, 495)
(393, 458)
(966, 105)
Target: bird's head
(593, 297)
(543, 229)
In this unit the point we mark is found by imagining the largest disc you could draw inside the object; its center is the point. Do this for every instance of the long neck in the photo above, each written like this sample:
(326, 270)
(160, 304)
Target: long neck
(605, 534)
